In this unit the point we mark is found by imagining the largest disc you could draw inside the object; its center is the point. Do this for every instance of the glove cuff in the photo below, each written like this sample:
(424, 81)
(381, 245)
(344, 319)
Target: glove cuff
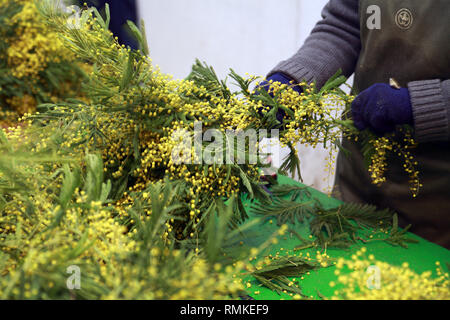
(280, 77)
(429, 111)
(285, 79)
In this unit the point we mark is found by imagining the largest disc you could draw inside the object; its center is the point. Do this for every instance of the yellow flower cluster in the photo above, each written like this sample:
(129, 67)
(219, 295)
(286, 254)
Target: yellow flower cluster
(38, 67)
(37, 253)
(170, 276)
(312, 119)
(131, 120)
(378, 166)
(370, 279)
(390, 145)
(128, 136)
(33, 45)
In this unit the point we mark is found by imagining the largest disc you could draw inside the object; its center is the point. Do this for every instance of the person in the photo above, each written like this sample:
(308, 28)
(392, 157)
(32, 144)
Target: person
(121, 11)
(378, 40)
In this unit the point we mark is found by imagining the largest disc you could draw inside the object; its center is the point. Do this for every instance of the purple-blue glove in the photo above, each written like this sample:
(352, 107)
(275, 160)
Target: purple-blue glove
(284, 79)
(120, 11)
(381, 108)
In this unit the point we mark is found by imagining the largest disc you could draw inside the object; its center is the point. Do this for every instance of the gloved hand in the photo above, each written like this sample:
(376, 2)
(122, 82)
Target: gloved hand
(381, 108)
(120, 11)
(283, 79)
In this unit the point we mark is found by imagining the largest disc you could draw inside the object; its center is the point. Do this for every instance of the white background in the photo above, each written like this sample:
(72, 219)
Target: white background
(250, 36)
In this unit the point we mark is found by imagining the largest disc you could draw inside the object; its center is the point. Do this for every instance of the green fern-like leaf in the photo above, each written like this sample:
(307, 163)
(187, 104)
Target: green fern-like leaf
(284, 211)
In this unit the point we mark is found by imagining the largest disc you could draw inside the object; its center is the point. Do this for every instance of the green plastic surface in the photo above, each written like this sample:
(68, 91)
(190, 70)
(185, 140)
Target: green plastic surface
(421, 256)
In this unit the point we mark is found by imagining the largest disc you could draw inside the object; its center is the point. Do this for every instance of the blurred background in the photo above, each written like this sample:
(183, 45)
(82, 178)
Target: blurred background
(250, 36)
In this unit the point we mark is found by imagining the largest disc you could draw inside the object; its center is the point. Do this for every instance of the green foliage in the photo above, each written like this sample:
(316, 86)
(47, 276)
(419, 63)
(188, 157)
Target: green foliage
(338, 227)
(47, 78)
(275, 274)
(285, 210)
(204, 75)
(149, 269)
(89, 182)
(291, 164)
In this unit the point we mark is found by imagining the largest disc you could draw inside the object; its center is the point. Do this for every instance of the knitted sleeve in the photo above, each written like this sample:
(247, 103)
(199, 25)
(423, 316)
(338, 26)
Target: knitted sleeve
(333, 44)
(430, 101)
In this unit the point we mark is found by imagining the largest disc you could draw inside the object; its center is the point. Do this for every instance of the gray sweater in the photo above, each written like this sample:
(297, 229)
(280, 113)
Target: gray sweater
(335, 44)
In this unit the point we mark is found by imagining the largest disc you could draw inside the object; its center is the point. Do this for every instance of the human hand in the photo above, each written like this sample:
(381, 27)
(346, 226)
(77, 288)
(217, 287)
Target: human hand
(283, 79)
(381, 108)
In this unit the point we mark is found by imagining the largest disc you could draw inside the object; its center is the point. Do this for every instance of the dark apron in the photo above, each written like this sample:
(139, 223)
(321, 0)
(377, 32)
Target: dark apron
(412, 44)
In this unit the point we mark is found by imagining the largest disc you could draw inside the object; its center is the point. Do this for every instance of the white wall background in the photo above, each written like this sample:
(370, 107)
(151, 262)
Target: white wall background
(250, 36)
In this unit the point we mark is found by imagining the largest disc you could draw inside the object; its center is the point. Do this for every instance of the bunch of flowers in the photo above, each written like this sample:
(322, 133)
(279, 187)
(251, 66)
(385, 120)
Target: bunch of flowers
(57, 222)
(366, 278)
(36, 66)
(93, 182)
(135, 113)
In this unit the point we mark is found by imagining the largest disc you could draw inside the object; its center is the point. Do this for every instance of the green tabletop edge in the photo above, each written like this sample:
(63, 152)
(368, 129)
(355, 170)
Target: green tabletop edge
(421, 256)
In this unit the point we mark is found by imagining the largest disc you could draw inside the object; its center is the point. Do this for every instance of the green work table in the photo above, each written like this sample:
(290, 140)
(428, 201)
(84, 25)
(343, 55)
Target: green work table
(421, 256)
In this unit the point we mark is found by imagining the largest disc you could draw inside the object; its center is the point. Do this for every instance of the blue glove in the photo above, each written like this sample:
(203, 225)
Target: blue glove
(381, 108)
(120, 11)
(283, 79)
